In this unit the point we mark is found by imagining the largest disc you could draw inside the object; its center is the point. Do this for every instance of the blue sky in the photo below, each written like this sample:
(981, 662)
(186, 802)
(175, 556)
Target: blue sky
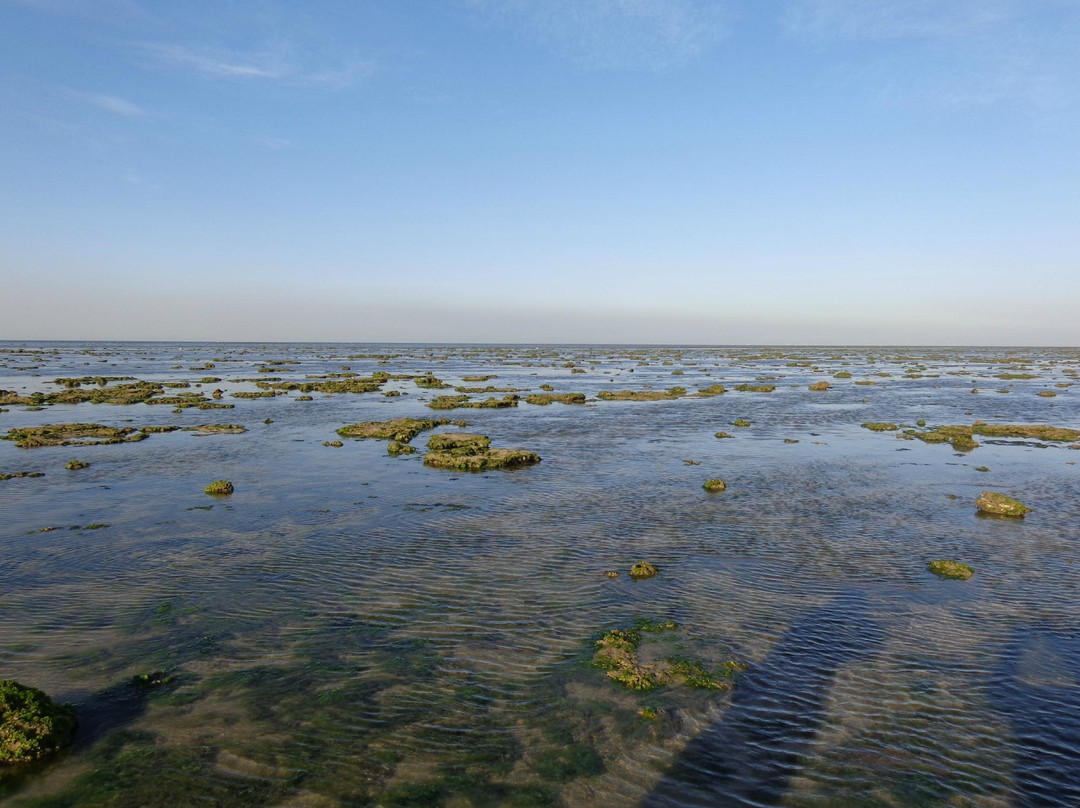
(762, 171)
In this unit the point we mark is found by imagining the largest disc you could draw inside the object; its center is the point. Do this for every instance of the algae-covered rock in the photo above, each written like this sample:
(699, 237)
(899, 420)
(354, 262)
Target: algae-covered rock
(334, 444)
(543, 399)
(642, 395)
(401, 430)
(740, 422)
(75, 465)
(819, 386)
(723, 435)
(219, 488)
(395, 448)
(879, 426)
(468, 452)
(71, 435)
(642, 570)
(1000, 505)
(755, 388)
(462, 402)
(950, 569)
(32, 725)
(711, 391)
(714, 485)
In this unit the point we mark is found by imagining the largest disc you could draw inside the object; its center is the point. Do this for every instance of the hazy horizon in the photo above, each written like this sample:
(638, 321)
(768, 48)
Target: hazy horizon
(888, 172)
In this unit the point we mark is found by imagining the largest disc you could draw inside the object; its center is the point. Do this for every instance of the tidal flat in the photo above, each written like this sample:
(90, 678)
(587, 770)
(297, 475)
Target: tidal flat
(359, 627)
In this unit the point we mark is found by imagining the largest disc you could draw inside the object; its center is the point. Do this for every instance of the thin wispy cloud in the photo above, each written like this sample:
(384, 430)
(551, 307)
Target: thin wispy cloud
(894, 19)
(616, 34)
(111, 103)
(106, 10)
(277, 64)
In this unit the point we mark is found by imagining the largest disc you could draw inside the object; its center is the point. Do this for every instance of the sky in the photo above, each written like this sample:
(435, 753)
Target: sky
(614, 171)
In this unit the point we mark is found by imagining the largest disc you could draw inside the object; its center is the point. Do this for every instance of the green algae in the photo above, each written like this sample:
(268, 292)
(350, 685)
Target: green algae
(219, 488)
(543, 399)
(618, 653)
(740, 422)
(714, 485)
(723, 435)
(72, 435)
(395, 448)
(997, 504)
(14, 475)
(711, 391)
(642, 395)
(880, 426)
(463, 402)
(32, 725)
(468, 452)
(642, 570)
(944, 568)
(429, 382)
(401, 430)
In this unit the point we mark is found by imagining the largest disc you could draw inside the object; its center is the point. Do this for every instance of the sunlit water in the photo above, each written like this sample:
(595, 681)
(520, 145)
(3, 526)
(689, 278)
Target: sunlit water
(350, 628)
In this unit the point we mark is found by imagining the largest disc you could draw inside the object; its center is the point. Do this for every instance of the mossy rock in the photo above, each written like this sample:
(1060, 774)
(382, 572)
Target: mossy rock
(219, 488)
(714, 485)
(642, 570)
(711, 391)
(642, 395)
(722, 435)
(32, 725)
(467, 452)
(75, 465)
(1046, 393)
(755, 388)
(401, 430)
(1000, 505)
(843, 374)
(819, 386)
(394, 448)
(880, 426)
(543, 399)
(741, 422)
(950, 569)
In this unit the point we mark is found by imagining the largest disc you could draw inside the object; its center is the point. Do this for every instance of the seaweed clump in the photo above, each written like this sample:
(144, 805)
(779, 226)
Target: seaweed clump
(543, 399)
(997, 504)
(32, 725)
(642, 395)
(462, 402)
(401, 430)
(72, 435)
(950, 569)
(467, 452)
(618, 652)
(219, 488)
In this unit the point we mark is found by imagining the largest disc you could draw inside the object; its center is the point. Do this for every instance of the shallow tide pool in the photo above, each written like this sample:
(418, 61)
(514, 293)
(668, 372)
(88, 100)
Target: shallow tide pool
(351, 628)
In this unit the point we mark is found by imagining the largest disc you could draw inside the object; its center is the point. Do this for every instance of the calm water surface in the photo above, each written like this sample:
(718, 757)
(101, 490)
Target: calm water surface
(355, 629)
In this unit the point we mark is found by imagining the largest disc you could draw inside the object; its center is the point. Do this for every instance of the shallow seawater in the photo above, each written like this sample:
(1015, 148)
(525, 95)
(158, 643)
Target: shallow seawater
(355, 629)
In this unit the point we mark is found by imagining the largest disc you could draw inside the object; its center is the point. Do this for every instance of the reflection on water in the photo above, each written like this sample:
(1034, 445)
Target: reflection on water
(351, 628)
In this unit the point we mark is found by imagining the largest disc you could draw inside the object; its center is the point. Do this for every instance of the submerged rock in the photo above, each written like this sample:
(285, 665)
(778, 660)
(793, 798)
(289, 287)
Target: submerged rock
(32, 725)
(1000, 505)
(950, 569)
